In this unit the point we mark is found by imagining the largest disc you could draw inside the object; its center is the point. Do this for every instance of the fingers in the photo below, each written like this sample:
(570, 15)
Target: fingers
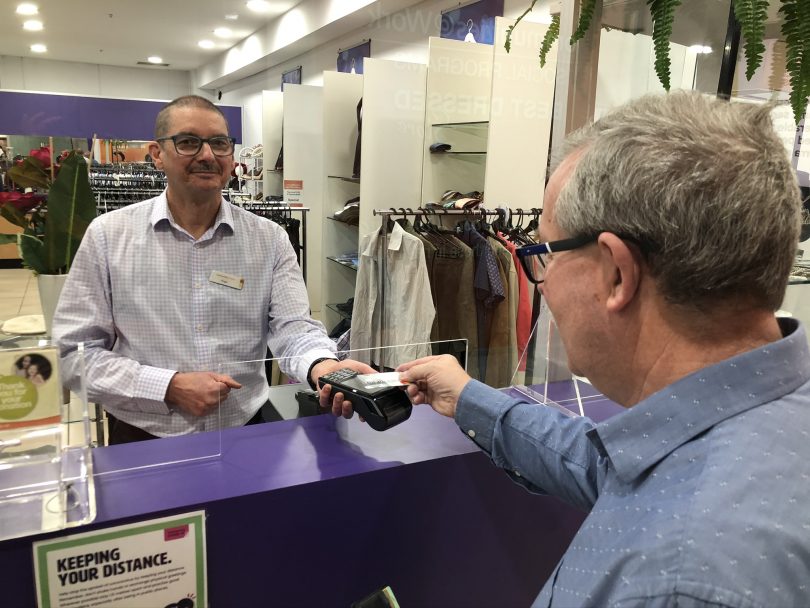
(226, 380)
(412, 364)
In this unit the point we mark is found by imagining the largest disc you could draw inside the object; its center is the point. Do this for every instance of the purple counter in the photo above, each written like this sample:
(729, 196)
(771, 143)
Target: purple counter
(322, 511)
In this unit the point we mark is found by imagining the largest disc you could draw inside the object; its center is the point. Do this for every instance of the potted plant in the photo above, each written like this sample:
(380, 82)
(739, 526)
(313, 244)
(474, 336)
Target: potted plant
(53, 213)
(752, 16)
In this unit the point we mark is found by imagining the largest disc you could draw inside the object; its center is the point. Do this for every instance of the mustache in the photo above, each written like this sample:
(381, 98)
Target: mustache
(205, 168)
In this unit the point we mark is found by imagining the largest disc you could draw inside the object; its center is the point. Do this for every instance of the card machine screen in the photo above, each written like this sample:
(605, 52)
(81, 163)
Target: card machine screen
(379, 398)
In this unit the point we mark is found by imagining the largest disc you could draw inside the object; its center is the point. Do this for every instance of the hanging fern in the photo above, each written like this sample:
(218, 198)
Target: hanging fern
(508, 42)
(752, 15)
(663, 14)
(551, 36)
(585, 18)
(796, 30)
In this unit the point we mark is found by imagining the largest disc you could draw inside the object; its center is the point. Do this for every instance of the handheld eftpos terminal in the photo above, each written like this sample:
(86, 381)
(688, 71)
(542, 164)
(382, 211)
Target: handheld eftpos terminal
(379, 398)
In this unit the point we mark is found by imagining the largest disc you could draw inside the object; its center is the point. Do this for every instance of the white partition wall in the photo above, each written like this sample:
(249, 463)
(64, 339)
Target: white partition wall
(393, 137)
(303, 161)
(272, 118)
(341, 94)
(520, 118)
(457, 111)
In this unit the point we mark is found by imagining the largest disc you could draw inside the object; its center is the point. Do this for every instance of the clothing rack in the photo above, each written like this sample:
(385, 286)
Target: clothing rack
(386, 215)
(268, 209)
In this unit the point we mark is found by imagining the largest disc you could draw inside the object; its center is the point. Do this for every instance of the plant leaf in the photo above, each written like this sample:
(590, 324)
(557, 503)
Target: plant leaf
(71, 208)
(552, 34)
(32, 252)
(585, 18)
(8, 239)
(507, 44)
(796, 32)
(663, 13)
(30, 174)
(12, 215)
(752, 15)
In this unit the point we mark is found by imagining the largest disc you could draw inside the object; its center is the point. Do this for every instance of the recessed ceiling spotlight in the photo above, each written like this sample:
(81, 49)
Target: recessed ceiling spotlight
(32, 25)
(233, 17)
(27, 8)
(259, 6)
(223, 32)
(205, 44)
(700, 49)
(154, 59)
(39, 48)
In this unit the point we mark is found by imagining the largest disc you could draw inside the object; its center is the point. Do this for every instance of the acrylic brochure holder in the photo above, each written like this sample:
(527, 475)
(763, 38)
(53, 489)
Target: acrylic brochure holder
(543, 374)
(46, 465)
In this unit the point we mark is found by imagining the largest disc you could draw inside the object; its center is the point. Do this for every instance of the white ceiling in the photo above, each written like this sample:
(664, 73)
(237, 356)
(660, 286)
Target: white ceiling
(124, 32)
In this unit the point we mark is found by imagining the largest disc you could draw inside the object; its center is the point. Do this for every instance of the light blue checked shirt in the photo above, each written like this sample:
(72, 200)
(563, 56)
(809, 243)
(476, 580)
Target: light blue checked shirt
(697, 496)
(139, 296)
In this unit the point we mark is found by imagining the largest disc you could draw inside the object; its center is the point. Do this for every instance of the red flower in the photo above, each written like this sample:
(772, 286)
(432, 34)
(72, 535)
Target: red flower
(21, 202)
(43, 155)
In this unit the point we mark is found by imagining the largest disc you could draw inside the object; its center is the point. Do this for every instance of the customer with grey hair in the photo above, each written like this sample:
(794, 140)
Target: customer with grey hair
(670, 227)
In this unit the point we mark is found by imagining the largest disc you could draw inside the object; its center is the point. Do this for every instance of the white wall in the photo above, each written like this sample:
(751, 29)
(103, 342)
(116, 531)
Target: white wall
(46, 75)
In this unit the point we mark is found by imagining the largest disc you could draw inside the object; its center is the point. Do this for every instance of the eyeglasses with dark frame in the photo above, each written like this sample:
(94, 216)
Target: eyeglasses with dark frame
(190, 145)
(536, 269)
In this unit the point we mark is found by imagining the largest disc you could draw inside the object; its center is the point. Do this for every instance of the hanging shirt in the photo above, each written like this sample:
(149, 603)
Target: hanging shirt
(408, 303)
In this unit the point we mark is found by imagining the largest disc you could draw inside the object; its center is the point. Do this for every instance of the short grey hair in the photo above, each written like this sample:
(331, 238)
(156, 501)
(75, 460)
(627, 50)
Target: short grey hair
(187, 101)
(705, 187)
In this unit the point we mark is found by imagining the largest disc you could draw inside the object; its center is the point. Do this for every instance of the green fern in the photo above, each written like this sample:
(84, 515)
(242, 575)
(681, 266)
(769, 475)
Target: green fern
(663, 13)
(796, 31)
(550, 38)
(585, 18)
(508, 42)
(752, 15)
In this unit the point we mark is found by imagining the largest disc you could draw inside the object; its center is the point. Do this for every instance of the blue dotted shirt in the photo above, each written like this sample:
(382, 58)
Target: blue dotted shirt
(697, 496)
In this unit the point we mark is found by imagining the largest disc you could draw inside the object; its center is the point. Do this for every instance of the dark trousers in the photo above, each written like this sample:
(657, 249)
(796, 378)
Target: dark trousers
(119, 431)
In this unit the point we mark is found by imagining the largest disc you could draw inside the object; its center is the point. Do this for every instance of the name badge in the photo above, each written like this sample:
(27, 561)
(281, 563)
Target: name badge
(228, 280)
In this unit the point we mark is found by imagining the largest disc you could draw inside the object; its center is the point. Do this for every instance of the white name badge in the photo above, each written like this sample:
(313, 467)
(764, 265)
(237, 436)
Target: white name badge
(228, 280)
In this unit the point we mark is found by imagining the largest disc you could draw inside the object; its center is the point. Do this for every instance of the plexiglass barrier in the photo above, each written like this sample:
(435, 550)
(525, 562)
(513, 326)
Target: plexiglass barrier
(288, 398)
(46, 465)
(543, 375)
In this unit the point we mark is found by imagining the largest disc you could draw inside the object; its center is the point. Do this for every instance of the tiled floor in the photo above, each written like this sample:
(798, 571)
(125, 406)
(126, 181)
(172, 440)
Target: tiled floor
(19, 296)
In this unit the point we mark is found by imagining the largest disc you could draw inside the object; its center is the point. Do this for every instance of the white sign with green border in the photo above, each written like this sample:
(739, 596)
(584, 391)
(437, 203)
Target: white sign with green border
(160, 562)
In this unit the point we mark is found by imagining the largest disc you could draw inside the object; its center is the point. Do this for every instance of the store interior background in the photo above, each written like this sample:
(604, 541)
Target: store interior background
(93, 50)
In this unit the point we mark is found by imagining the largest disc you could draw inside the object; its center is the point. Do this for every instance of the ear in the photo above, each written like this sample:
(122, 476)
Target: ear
(621, 271)
(155, 151)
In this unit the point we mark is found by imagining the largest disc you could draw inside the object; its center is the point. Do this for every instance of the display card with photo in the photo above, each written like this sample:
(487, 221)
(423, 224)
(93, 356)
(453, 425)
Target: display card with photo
(29, 388)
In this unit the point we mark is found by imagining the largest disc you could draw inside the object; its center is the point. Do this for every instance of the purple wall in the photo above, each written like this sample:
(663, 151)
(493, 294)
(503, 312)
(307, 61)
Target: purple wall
(72, 116)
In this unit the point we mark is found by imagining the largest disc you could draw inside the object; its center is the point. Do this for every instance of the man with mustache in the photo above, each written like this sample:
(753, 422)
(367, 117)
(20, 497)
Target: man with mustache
(165, 291)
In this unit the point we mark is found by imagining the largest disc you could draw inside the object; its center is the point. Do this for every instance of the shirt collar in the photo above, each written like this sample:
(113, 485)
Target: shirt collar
(161, 214)
(394, 241)
(641, 436)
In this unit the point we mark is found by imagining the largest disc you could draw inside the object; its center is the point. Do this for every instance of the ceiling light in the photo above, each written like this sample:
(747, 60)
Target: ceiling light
(32, 25)
(39, 48)
(154, 59)
(700, 49)
(223, 32)
(205, 44)
(259, 6)
(27, 9)
(231, 17)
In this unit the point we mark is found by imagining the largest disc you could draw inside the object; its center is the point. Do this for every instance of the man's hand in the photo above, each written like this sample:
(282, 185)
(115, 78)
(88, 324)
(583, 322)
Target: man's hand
(199, 393)
(339, 406)
(437, 381)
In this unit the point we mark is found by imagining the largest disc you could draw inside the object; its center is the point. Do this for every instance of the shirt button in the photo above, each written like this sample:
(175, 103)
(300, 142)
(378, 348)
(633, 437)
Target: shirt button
(199, 328)
(471, 433)
(517, 473)
(197, 285)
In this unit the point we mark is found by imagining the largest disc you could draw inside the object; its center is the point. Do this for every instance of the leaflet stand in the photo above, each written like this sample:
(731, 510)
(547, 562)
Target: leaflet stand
(46, 480)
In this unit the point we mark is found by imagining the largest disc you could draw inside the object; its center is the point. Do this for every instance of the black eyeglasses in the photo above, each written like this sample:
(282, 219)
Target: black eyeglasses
(190, 145)
(534, 258)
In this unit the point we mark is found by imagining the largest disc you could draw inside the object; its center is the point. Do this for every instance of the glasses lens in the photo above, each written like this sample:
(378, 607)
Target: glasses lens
(187, 145)
(221, 146)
